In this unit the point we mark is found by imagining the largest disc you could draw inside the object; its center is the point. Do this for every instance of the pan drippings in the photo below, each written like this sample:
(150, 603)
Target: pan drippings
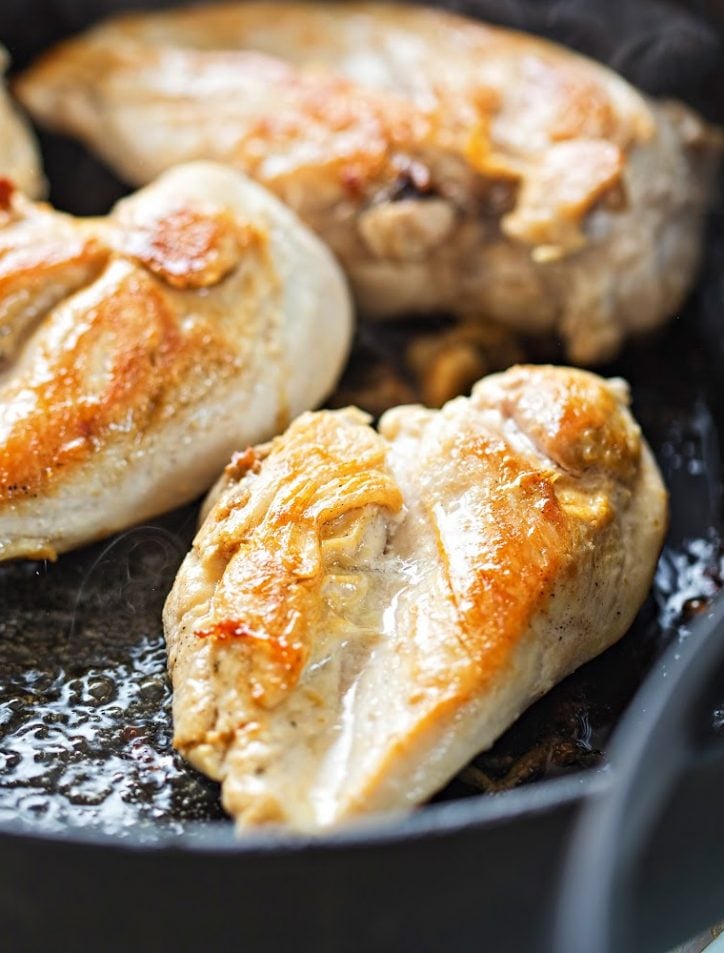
(85, 716)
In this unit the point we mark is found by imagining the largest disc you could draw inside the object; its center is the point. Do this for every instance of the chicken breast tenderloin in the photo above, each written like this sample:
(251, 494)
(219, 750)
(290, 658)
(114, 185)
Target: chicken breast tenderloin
(362, 612)
(449, 165)
(140, 350)
(19, 160)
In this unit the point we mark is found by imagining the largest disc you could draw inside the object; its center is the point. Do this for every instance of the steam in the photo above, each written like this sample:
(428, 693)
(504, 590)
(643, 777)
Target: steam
(128, 580)
(660, 47)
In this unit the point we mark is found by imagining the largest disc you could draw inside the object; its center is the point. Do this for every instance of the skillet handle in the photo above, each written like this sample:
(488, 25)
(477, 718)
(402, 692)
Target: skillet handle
(645, 869)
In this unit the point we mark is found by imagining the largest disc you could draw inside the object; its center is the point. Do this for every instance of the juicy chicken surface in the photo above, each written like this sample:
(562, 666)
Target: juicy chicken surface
(362, 612)
(140, 350)
(449, 165)
(19, 160)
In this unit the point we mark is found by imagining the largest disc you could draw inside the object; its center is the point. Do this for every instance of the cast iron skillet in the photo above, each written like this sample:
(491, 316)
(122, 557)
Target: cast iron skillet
(659, 830)
(108, 842)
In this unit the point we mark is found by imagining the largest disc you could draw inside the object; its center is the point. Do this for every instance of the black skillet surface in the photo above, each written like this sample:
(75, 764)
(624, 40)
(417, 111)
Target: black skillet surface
(645, 863)
(108, 841)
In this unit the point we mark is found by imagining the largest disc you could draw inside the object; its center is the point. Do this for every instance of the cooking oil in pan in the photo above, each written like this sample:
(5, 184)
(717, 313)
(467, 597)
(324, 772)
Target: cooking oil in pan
(85, 720)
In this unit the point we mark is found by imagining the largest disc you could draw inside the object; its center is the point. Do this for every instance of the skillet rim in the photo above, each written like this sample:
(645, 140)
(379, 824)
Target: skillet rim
(431, 821)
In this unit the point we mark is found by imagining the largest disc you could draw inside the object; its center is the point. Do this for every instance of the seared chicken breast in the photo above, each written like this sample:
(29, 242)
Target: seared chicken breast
(19, 160)
(450, 165)
(141, 349)
(363, 611)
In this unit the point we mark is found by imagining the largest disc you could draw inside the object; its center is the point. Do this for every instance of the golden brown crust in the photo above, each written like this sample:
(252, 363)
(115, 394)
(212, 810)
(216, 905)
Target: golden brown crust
(269, 531)
(144, 347)
(519, 98)
(38, 264)
(577, 421)
(43, 258)
(133, 333)
(382, 652)
(128, 321)
(189, 248)
(500, 566)
(109, 370)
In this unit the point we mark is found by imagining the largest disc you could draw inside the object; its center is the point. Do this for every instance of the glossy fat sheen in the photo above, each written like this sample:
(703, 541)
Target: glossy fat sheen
(141, 350)
(19, 159)
(362, 612)
(449, 165)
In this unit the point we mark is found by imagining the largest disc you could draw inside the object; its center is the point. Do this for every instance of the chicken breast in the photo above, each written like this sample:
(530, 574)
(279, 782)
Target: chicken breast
(141, 349)
(19, 160)
(362, 612)
(450, 165)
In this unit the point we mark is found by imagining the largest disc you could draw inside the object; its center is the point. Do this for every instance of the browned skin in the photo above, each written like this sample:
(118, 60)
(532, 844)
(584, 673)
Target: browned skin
(148, 357)
(189, 249)
(361, 612)
(137, 346)
(271, 589)
(449, 165)
(133, 332)
(44, 257)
